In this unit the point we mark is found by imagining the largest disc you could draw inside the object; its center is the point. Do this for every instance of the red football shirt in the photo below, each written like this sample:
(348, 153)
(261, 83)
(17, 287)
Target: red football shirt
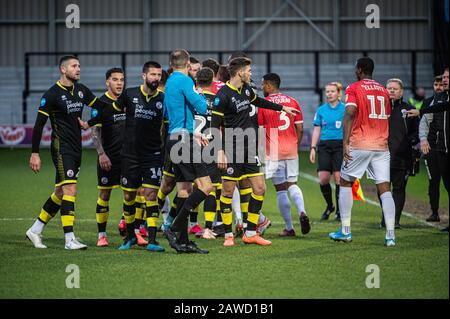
(281, 136)
(216, 86)
(370, 128)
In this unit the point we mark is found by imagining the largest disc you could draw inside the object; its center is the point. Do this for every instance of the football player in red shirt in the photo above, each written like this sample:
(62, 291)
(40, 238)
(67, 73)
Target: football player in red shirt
(366, 130)
(283, 135)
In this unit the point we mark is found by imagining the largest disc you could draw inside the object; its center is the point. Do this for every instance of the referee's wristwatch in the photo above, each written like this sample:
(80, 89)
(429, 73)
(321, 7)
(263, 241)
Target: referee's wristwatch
(314, 148)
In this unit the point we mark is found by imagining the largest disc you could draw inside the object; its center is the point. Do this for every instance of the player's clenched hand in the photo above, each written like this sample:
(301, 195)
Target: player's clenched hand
(35, 162)
(413, 112)
(347, 156)
(84, 125)
(425, 147)
(222, 160)
(290, 110)
(105, 162)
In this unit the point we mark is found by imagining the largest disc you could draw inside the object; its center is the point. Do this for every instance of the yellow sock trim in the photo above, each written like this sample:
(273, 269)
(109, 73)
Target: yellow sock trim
(227, 218)
(258, 197)
(69, 198)
(209, 216)
(129, 219)
(244, 207)
(101, 217)
(151, 203)
(140, 199)
(55, 199)
(213, 193)
(130, 203)
(152, 221)
(161, 195)
(245, 191)
(102, 202)
(217, 204)
(44, 216)
(139, 213)
(253, 218)
(226, 200)
(67, 220)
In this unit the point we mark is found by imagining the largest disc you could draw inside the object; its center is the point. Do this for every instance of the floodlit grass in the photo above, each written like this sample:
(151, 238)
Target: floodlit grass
(310, 266)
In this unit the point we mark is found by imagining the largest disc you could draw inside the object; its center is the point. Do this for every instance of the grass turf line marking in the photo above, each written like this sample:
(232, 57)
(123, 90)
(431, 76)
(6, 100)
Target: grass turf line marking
(371, 202)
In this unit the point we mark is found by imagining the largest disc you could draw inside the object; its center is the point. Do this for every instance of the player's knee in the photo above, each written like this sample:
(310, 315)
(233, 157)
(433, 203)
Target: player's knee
(70, 190)
(128, 196)
(259, 190)
(345, 183)
(105, 194)
(59, 192)
(150, 194)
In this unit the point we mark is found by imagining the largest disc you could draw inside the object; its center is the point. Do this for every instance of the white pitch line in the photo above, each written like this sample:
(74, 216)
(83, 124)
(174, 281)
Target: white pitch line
(371, 202)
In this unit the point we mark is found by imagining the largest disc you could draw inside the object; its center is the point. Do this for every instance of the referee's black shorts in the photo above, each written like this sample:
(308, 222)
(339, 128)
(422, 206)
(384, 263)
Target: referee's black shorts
(330, 155)
(186, 167)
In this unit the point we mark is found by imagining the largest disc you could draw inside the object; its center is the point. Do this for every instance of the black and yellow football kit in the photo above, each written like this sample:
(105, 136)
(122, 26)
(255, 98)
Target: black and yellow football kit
(112, 125)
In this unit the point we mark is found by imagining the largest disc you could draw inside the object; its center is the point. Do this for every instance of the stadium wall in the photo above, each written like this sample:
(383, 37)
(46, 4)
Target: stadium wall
(116, 25)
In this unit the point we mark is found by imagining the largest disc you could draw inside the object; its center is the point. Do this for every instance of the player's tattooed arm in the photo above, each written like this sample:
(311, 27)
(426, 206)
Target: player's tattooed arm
(103, 159)
(349, 116)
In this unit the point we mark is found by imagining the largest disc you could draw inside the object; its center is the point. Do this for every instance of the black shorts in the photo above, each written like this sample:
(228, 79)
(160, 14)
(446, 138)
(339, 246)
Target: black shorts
(215, 174)
(109, 179)
(186, 169)
(143, 172)
(67, 167)
(168, 166)
(330, 155)
(238, 171)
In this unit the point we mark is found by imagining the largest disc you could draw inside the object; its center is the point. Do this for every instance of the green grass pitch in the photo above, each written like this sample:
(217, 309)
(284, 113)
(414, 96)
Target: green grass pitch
(309, 266)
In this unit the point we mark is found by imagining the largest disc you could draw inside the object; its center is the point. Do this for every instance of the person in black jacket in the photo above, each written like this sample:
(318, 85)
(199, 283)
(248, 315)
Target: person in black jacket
(403, 136)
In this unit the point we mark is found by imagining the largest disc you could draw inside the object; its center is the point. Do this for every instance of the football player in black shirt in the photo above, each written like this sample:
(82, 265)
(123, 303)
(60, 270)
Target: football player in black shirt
(63, 103)
(239, 149)
(142, 151)
(107, 137)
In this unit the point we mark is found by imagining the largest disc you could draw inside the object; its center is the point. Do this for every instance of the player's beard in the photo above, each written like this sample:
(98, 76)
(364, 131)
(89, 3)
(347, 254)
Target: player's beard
(152, 85)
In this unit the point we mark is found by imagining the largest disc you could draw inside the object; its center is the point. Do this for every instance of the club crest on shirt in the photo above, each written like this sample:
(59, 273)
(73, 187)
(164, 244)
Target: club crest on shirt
(70, 173)
(230, 170)
(159, 105)
(80, 94)
(124, 181)
(338, 124)
(247, 92)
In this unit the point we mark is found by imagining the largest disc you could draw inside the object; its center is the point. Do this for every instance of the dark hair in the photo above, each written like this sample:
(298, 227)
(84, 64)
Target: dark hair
(193, 60)
(178, 58)
(150, 64)
(212, 64)
(273, 78)
(223, 74)
(237, 54)
(438, 78)
(164, 77)
(236, 64)
(205, 77)
(65, 58)
(113, 70)
(366, 65)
